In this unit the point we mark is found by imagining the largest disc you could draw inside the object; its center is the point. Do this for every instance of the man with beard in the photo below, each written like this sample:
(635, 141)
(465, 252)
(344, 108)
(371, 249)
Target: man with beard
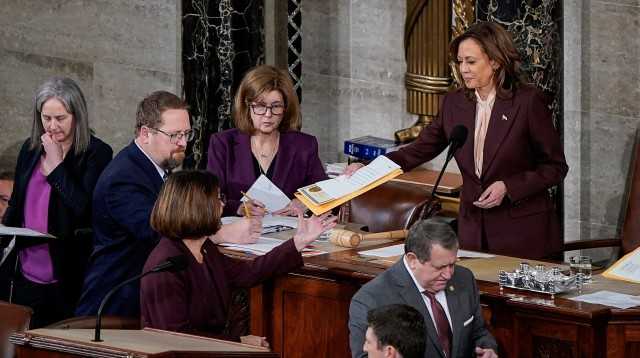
(123, 200)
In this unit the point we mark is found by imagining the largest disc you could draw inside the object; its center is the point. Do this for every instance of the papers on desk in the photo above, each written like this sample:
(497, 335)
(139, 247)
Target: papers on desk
(270, 223)
(609, 298)
(267, 193)
(626, 269)
(327, 194)
(20, 231)
(265, 245)
(397, 250)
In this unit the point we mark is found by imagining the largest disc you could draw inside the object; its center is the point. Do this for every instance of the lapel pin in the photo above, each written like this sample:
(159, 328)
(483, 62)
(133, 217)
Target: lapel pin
(504, 118)
(451, 289)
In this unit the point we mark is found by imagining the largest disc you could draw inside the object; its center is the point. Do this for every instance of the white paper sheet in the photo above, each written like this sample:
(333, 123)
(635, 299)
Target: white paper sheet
(341, 186)
(20, 231)
(268, 221)
(610, 298)
(268, 193)
(397, 250)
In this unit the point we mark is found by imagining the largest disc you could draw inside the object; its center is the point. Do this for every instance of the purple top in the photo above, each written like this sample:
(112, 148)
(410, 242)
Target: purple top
(35, 261)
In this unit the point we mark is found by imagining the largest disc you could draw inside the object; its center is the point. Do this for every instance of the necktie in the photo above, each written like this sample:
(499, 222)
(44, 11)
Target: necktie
(441, 323)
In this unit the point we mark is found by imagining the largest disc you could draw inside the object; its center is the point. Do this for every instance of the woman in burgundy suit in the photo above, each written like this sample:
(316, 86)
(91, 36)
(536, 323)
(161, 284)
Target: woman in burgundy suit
(197, 299)
(512, 156)
(266, 141)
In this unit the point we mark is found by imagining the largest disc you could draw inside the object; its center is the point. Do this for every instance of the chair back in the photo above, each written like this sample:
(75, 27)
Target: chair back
(631, 227)
(393, 206)
(13, 318)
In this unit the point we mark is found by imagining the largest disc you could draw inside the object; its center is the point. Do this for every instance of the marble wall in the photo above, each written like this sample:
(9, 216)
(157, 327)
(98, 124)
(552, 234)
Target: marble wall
(601, 112)
(117, 50)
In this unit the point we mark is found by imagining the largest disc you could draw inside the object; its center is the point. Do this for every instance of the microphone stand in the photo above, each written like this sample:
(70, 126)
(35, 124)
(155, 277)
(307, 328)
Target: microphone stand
(446, 162)
(158, 268)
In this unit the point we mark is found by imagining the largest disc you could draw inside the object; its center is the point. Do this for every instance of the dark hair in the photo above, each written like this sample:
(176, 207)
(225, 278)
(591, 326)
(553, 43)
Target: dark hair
(150, 109)
(426, 233)
(401, 327)
(70, 95)
(260, 80)
(7, 175)
(497, 43)
(187, 206)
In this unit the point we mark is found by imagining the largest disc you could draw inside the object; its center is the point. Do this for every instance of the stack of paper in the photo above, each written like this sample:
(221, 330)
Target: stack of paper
(609, 298)
(327, 194)
(626, 269)
(261, 247)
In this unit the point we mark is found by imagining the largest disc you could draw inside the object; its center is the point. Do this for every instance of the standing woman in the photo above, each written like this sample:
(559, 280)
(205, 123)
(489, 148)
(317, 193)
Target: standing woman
(512, 156)
(266, 141)
(57, 169)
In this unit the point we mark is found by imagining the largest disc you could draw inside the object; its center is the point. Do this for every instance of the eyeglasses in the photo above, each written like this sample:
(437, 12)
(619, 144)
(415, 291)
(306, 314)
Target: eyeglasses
(222, 198)
(261, 109)
(174, 138)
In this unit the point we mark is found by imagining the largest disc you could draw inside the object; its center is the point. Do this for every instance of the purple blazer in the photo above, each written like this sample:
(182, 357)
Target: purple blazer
(523, 149)
(197, 300)
(297, 164)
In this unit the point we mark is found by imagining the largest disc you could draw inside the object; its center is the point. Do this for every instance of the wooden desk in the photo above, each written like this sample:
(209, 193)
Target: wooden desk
(127, 343)
(305, 314)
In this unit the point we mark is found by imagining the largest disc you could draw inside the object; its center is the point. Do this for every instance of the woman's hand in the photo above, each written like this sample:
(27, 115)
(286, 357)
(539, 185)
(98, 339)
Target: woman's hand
(254, 207)
(309, 229)
(243, 231)
(294, 207)
(255, 341)
(492, 196)
(53, 153)
(352, 168)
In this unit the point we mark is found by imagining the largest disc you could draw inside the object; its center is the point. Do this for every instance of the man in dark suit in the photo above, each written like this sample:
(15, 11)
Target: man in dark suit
(427, 279)
(395, 331)
(124, 197)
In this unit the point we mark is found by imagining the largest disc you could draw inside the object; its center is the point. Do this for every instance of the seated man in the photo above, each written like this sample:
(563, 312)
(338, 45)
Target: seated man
(6, 187)
(395, 331)
(427, 279)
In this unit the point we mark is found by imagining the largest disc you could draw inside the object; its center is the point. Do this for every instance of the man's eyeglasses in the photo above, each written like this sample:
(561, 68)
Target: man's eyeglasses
(174, 138)
(261, 109)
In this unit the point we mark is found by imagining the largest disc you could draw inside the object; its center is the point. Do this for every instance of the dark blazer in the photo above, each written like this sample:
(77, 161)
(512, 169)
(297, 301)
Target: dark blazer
(523, 149)
(123, 238)
(297, 164)
(395, 286)
(72, 184)
(197, 299)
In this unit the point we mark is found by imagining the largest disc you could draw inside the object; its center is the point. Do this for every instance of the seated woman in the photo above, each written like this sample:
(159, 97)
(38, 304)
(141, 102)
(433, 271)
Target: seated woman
(266, 141)
(196, 300)
(56, 172)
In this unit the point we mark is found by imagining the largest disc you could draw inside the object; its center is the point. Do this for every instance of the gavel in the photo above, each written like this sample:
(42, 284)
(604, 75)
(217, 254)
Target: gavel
(346, 238)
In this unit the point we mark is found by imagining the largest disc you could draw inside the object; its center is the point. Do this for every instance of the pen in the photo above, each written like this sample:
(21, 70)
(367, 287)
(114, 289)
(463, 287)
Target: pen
(244, 204)
(254, 203)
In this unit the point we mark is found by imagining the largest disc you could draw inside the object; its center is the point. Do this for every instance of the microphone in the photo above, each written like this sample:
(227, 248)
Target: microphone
(456, 140)
(172, 264)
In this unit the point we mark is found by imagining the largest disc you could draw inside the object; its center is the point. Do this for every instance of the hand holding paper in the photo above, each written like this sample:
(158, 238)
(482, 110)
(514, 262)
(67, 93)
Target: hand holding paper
(263, 191)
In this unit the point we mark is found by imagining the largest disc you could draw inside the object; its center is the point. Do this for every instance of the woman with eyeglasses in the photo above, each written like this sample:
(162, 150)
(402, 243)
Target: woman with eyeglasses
(266, 141)
(197, 299)
(56, 173)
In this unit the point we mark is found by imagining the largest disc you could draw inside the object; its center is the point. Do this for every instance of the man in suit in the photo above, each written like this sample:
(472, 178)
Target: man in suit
(395, 331)
(124, 198)
(427, 279)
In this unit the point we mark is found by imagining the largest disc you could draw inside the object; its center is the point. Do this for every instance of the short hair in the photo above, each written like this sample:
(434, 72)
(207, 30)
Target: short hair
(187, 206)
(400, 326)
(261, 80)
(150, 109)
(426, 233)
(498, 44)
(70, 95)
(7, 175)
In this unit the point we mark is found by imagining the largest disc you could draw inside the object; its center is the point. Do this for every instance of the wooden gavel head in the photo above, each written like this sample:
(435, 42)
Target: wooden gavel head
(344, 238)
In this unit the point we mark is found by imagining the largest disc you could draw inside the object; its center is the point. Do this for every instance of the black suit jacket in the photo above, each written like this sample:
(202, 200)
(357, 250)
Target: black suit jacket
(395, 286)
(72, 184)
